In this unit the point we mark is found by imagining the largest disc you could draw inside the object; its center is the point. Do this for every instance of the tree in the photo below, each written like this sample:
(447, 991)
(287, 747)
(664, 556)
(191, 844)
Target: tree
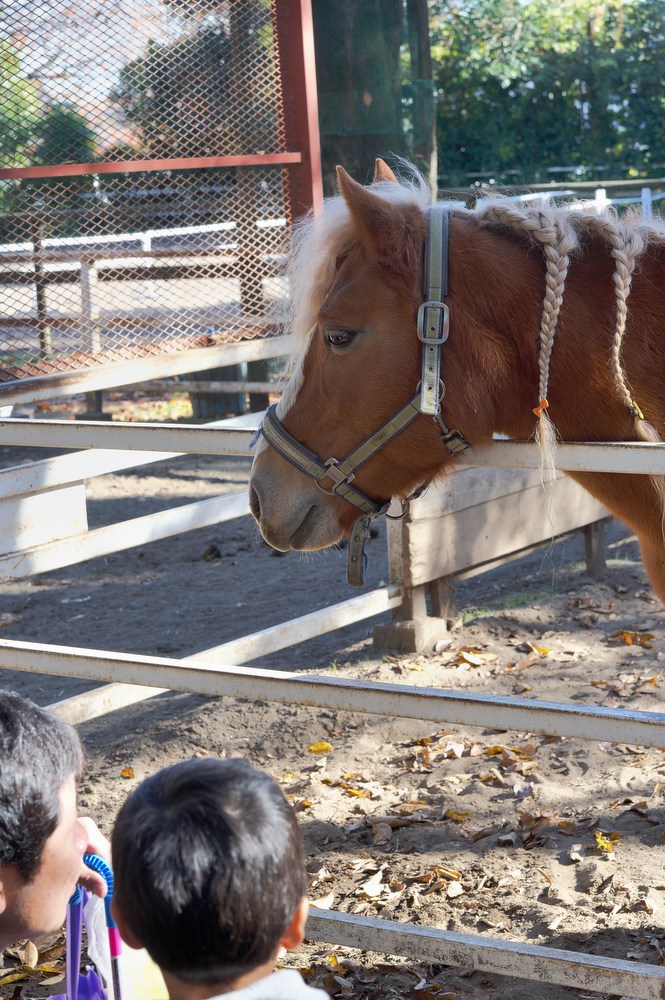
(640, 97)
(525, 86)
(19, 108)
(358, 44)
(423, 132)
(186, 97)
(63, 136)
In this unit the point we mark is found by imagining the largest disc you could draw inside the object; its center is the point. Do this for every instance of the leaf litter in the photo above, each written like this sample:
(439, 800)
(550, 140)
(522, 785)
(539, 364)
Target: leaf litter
(519, 836)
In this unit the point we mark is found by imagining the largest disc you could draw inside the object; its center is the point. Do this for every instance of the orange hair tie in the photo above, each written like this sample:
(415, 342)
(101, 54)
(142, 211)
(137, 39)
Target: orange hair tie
(538, 410)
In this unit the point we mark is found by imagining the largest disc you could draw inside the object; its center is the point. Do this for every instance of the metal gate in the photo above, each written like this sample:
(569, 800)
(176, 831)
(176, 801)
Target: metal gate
(152, 153)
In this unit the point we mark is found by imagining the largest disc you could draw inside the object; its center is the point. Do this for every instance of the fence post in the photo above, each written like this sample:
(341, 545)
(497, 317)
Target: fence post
(601, 200)
(89, 303)
(94, 401)
(413, 629)
(595, 549)
(647, 205)
(43, 325)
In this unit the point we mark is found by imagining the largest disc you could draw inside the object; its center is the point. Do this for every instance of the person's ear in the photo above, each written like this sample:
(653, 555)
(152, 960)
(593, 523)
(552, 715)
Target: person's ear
(11, 884)
(295, 932)
(126, 934)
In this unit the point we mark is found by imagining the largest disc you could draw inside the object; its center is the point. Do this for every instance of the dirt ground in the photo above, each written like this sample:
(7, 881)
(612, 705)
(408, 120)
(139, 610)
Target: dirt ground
(556, 842)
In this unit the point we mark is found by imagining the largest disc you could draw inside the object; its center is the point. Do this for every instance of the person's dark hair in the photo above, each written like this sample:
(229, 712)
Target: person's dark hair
(208, 868)
(38, 754)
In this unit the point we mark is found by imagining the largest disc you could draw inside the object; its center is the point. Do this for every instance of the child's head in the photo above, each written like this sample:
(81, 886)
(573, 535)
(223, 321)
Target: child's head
(39, 754)
(209, 869)
(41, 839)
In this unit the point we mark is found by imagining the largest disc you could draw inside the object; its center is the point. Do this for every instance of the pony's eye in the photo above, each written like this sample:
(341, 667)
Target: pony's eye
(339, 338)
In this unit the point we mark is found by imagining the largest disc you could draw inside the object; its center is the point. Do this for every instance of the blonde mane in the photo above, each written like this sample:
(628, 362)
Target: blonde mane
(316, 244)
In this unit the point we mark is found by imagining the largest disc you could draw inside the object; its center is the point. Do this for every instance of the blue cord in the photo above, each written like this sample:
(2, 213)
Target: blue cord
(104, 869)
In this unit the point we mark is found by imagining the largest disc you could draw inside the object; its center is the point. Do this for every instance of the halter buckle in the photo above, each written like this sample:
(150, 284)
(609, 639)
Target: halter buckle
(443, 322)
(335, 473)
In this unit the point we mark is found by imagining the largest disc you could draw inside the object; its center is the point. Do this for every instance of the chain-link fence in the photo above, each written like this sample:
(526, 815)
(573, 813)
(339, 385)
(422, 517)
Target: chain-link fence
(143, 178)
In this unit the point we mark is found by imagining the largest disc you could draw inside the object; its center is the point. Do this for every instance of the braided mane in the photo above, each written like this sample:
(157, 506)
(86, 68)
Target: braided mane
(557, 230)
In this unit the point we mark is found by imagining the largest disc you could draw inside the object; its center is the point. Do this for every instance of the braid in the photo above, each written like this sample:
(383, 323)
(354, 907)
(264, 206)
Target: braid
(558, 240)
(626, 245)
(558, 233)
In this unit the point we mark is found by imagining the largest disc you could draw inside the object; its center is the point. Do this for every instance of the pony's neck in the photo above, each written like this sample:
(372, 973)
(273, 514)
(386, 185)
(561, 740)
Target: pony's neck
(491, 359)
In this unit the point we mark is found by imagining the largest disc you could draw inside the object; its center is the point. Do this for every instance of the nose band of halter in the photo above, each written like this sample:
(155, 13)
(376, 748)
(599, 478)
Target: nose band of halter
(433, 323)
(340, 473)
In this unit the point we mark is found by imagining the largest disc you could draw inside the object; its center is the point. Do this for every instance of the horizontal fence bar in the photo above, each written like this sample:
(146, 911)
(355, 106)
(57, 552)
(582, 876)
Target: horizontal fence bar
(583, 456)
(48, 473)
(135, 236)
(575, 970)
(341, 694)
(166, 385)
(109, 376)
(92, 704)
(185, 438)
(121, 535)
(135, 166)
(309, 626)
(616, 457)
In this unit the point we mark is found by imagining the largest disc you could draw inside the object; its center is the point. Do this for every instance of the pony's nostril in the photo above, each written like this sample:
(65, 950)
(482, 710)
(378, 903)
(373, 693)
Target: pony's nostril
(254, 503)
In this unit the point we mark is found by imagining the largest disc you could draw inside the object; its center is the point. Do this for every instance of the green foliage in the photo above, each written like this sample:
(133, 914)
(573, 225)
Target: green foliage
(63, 136)
(525, 85)
(19, 108)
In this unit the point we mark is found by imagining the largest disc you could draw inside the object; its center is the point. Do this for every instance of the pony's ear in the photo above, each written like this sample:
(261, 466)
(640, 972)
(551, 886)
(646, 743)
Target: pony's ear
(382, 172)
(381, 225)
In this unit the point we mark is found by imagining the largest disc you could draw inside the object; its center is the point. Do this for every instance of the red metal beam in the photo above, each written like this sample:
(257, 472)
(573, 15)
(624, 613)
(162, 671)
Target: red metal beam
(295, 32)
(134, 166)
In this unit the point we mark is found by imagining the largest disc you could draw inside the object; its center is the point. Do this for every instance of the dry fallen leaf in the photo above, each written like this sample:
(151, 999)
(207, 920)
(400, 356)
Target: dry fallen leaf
(374, 886)
(381, 833)
(606, 842)
(458, 815)
(13, 977)
(324, 902)
(52, 980)
(632, 638)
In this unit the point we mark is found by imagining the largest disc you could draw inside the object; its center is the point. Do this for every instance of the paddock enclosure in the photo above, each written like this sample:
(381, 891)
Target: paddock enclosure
(141, 235)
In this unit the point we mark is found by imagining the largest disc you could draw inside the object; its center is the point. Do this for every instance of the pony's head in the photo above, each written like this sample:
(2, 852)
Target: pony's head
(356, 286)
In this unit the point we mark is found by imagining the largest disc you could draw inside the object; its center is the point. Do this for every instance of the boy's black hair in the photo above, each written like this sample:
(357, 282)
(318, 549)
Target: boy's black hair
(208, 868)
(38, 754)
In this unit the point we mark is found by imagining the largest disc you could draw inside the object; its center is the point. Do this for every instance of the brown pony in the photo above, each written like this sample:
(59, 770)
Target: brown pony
(541, 342)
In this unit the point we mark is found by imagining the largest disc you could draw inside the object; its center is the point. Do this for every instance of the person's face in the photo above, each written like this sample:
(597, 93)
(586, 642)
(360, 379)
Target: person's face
(40, 906)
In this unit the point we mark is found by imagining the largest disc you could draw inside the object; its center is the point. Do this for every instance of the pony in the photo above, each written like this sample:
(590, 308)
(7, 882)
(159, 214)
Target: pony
(541, 343)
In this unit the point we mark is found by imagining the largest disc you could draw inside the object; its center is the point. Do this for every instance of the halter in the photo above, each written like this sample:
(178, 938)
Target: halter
(432, 330)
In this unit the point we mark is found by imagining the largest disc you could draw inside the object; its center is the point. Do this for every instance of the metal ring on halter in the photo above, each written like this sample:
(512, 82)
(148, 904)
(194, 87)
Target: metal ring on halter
(406, 503)
(442, 389)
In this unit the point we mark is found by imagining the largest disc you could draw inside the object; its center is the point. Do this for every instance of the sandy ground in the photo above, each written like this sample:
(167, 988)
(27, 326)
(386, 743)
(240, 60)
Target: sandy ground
(552, 841)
